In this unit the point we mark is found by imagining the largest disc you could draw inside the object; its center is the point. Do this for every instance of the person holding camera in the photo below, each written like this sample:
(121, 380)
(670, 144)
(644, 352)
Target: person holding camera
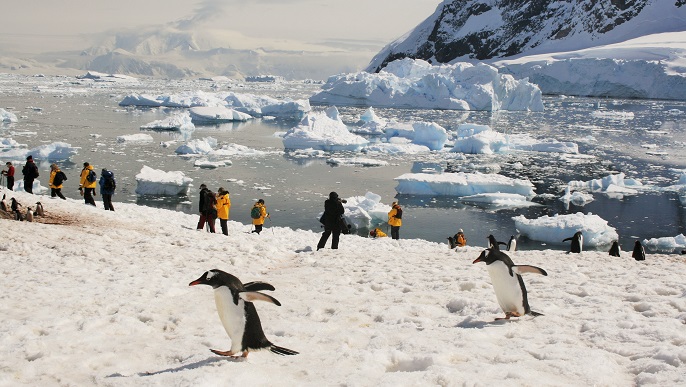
(9, 175)
(333, 213)
(395, 220)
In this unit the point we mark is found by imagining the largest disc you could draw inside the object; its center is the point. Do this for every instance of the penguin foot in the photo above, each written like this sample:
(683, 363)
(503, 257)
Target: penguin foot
(227, 353)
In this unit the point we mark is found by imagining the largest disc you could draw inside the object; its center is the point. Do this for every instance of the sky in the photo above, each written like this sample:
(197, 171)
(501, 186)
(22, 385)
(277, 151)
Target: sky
(34, 26)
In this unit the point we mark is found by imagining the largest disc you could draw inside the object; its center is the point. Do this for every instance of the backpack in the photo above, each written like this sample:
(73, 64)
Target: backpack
(255, 213)
(91, 176)
(59, 178)
(210, 202)
(109, 184)
(460, 241)
(398, 213)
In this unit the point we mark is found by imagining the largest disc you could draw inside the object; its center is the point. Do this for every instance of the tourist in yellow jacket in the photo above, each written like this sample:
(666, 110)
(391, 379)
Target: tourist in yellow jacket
(261, 213)
(223, 207)
(395, 220)
(87, 184)
(57, 177)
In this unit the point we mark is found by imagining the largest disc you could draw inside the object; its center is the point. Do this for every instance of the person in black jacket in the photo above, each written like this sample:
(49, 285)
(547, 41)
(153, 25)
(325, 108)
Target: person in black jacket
(333, 212)
(30, 172)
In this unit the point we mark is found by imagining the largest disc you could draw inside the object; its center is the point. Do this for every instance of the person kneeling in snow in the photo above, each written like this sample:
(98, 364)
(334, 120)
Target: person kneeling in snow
(377, 233)
(459, 240)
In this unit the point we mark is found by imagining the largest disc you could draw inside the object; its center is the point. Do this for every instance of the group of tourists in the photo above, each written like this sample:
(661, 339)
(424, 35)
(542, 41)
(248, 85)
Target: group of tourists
(87, 183)
(213, 206)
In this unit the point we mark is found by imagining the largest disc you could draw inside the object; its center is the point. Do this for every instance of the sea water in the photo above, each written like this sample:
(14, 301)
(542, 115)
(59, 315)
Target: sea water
(644, 139)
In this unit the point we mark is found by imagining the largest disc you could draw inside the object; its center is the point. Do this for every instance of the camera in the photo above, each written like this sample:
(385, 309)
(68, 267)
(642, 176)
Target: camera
(343, 201)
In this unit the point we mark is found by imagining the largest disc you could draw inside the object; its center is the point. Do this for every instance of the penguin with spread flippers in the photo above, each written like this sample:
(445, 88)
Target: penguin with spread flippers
(615, 251)
(512, 244)
(639, 252)
(234, 301)
(508, 283)
(577, 242)
(494, 244)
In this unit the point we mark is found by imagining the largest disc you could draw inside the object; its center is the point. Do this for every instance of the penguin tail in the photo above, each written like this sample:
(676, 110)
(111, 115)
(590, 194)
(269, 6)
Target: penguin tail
(536, 314)
(282, 351)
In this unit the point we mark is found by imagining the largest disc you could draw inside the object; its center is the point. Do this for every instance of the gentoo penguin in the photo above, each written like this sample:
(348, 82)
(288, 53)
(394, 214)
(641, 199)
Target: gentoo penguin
(29, 214)
(512, 244)
(238, 314)
(15, 204)
(639, 253)
(508, 283)
(577, 242)
(494, 244)
(39, 209)
(615, 250)
(3, 203)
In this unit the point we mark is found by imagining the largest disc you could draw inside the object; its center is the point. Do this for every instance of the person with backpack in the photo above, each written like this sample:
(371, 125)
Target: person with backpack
(30, 172)
(207, 208)
(9, 175)
(201, 206)
(459, 240)
(395, 220)
(258, 213)
(223, 207)
(57, 177)
(107, 187)
(333, 212)
(87, 184)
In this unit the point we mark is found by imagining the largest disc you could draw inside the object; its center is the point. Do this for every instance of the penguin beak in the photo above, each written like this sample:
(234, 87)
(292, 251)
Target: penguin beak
(481, 257)
(199, 281)
(477, 260)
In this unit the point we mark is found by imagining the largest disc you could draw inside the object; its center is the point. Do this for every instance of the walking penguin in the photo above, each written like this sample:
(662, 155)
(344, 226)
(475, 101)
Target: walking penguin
(494, 244)
(577, 242)
(508, 283)
(39, 209)
(238, 314)
(512, 244)
(639, 252)
(615, 250)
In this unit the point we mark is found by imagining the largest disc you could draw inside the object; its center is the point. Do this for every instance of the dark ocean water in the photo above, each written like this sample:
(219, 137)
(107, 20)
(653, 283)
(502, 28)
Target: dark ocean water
(648, 147)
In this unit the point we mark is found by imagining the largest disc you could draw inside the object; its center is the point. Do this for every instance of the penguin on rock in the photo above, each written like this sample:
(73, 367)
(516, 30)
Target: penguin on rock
(615, 251)
(639, 252)
(508, 283)
(234, 301)
(577, 242)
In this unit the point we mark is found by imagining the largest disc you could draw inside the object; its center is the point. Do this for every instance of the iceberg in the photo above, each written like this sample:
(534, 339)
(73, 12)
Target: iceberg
(611, 185)
(323, 131)
(138, 137)
(416, 84)
(461, 184)
(6, 117)
(180, 121)
(428, 134)
(197, 146)
(553, 229)
(666, 243)
(56, 151)
(216, 115)
(156, 182)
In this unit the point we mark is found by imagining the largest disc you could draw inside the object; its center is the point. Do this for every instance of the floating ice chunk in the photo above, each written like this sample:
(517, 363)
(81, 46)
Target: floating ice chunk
(236, 150)
(102, 77)
(38, 189)
(609, 184)
(480, 142)
(8, 143)
(461, 184)
(197, 146)
(428, 134)
(576, 197)
(356, 161)
(612, 115)
(205, 163)
(56, 151)
(319, 130)
(500, 199)
(396, 145)
(156, 182)
(138, 137)
(553, 229)
(666, 243)
(408, 83)
(6, 116)
(366, 211)
(140, 100)
(291, 109)
(217, 114)
(180, 121)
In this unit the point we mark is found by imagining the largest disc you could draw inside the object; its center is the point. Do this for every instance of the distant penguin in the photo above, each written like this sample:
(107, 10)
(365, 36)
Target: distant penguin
(238, 314)
(577, 242)
(615, 250)
(494, 244)
(29, 214)
(15, 204)
(3, 203)
(512, 244)
(508, 283)
(639, 252)
(39, 209)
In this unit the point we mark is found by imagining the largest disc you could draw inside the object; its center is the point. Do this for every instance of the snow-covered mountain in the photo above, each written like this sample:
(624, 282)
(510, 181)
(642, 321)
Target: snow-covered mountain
(464, 30)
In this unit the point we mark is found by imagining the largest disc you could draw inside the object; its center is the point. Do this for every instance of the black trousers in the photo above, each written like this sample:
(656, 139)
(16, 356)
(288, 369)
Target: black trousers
(28, 186)
(395, 232)
(57, 192)
(225, 226)
(88, 196)
(325, 236)
(10, 183)
(107, 201)
(258, 228)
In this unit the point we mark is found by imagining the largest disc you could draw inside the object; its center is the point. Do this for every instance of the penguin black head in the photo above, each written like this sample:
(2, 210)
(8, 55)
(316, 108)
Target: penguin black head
(217, 278)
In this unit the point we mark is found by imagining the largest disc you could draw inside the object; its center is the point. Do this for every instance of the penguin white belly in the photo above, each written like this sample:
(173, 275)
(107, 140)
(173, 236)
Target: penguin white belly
(512, 246)
(507, 289)
(232, 316)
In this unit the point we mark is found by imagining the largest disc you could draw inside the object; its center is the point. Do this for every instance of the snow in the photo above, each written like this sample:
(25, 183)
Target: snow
(6, 117)
(102, 298)
(157, 182)
(461, 184)
(553, 229)
(416, 84)
(324, 131)
(179, 121)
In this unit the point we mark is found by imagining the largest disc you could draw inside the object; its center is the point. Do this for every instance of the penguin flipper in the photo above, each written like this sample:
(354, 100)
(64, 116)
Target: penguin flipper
(535, 314)
(502, 243)
(521, 269)
(282, 351)
(567, 239)
(257, 296)
(256, 286)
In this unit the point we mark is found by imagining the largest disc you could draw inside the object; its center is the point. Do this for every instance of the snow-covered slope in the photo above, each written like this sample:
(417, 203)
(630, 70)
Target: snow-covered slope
(485, 29)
